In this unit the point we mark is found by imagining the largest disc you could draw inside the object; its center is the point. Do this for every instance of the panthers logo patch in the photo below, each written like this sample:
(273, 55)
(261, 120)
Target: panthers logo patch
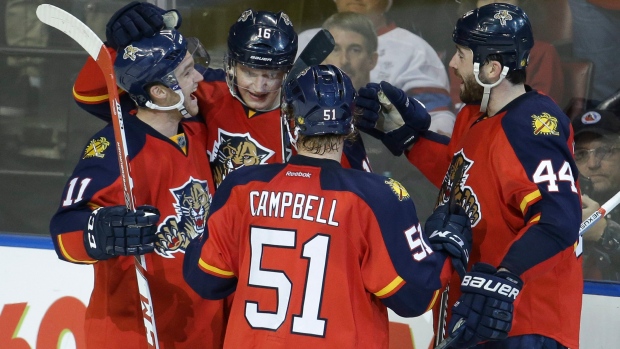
(398, 189)
(130, 52)
(545, 124)
(464, 196)
(193, 202)
(233, 151)
(96, 147)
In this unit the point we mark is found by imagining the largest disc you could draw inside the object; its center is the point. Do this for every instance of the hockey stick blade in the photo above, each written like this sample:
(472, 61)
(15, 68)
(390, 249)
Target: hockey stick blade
(600, 213)
(85, 37)
(319, 47)
(446, 343)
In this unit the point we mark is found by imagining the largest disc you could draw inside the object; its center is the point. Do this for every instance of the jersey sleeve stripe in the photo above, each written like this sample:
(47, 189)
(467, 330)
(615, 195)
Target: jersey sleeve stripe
(68, 256)
(534, 219)
(396, 283)
(432, 303)
(529, 198)
(92, 99)
(214, 270)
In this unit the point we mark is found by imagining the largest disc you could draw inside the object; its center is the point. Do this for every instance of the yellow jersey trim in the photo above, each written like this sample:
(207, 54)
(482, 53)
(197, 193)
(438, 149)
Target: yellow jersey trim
(390, 287)
(529, 198)
(216, 270)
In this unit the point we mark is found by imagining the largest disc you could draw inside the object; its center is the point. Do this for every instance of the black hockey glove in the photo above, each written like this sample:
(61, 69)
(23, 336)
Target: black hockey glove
(137, 20)
(389, 115)
(450, 233)
(485, 309)
(116, 231)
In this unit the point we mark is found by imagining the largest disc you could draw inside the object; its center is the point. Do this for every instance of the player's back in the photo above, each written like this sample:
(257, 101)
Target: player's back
(313, 252)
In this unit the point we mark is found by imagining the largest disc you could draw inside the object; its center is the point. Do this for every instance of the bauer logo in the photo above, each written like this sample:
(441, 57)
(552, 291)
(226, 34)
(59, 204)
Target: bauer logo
(258, 58)
(491, 286)
(298, 174)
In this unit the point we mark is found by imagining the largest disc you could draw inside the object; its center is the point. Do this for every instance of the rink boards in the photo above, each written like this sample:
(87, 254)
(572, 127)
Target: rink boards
(43, 300)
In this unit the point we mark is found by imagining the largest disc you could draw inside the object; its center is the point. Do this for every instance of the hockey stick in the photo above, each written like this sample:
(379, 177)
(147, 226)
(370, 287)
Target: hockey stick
(83, 35)
(443, 305)
(600, 213)
(318, 48)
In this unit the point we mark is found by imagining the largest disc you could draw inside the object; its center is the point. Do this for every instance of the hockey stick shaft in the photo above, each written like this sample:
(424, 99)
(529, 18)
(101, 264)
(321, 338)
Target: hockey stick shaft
(83, 35)
(600, 213)
(443, 306)
(318, 48)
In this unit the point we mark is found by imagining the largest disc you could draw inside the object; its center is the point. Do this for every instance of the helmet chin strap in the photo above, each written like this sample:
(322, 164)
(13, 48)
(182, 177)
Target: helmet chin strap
(179, 105)
(487, 87)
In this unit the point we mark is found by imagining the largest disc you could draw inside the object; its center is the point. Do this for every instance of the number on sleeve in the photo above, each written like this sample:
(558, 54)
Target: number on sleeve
(68, 201)
(545, 173)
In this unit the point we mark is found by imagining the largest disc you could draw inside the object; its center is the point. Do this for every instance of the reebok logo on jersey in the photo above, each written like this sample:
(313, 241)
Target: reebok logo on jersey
(490, 286)
(266, 59)
(298, 174)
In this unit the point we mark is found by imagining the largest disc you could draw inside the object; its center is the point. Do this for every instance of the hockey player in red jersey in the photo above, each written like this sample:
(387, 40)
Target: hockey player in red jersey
(510, 165)
(315, 252)
(173, 188)
(239, 104)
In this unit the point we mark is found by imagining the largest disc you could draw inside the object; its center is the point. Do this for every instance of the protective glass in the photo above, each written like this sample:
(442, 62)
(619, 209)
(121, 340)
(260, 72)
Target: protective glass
(600, 153)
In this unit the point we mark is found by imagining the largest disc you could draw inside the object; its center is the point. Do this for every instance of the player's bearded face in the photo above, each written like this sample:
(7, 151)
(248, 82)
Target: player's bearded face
(471, 91)
(259, 88)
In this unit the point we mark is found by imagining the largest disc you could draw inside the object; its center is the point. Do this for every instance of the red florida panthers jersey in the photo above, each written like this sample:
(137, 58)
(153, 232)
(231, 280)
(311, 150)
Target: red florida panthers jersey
(315, 253)
(519, 186)
(240, 137)
(237, 136)
(173, 176)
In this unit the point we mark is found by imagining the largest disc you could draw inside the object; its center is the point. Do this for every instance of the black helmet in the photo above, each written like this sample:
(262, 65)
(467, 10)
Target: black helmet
(502, 29)
(322, 98)
(263, 40)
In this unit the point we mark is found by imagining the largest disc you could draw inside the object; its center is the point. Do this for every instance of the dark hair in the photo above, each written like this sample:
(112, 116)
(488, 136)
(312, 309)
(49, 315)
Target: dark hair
(514, 76)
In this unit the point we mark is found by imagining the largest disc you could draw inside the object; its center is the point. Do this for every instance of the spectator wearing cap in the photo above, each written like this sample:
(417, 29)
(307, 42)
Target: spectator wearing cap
(405, 60)
(597, 154)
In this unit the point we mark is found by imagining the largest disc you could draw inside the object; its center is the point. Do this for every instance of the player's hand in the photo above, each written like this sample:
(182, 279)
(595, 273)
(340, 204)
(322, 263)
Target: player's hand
(485, 307)
(368, 107)
(588, 207)
(398, 119)
(116, 231)
(450, 233)
(137, 20)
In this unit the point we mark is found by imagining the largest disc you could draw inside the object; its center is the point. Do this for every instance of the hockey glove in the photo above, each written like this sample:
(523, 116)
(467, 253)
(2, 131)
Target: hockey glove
(137, 20)
(116, 231)
(399, 119)
(450, 233)
(485, 307)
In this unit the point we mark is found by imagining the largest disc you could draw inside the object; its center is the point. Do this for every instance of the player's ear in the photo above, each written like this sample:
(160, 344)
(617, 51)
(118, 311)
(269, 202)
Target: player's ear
(158, 92)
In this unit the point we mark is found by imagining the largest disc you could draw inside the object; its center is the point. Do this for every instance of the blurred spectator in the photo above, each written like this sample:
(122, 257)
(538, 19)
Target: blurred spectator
(356, 46)
(544, 70)
(405, 60)
(23, 29)
(596, 28)
(356, 54)
(597, 154)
